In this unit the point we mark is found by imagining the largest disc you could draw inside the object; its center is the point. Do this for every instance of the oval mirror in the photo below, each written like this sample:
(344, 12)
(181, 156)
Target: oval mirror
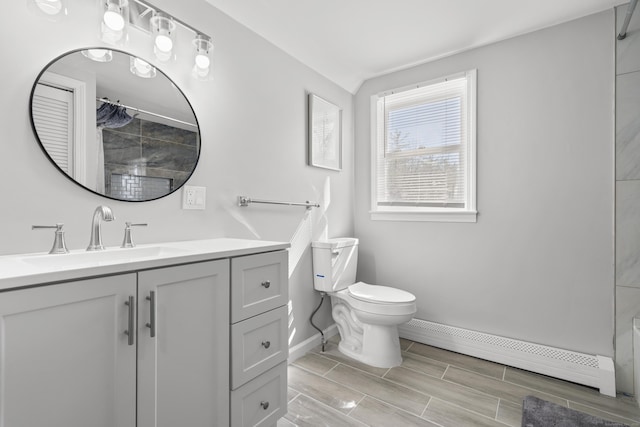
(115, 125)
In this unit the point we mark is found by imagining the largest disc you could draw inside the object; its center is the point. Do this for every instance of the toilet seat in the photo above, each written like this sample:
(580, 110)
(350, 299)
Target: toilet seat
(372, 301)
(379, 294)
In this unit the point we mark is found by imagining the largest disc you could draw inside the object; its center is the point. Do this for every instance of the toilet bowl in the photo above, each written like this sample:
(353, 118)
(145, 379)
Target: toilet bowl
(367, 315)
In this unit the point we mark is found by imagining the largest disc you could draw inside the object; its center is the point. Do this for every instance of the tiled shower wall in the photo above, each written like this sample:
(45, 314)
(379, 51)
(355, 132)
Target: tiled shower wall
(146, 149)
(627, 195)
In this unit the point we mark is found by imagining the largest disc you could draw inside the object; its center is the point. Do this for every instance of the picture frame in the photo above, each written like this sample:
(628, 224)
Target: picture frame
(325, 134)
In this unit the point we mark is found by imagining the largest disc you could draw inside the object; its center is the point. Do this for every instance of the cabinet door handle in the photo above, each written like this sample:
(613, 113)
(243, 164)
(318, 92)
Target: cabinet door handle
(130, 326)
(152, 316)
(264, 404)
(266, 344)
(266, 284)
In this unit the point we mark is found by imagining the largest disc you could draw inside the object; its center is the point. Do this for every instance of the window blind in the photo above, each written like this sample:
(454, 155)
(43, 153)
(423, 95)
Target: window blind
(52, 110)
(422, 146)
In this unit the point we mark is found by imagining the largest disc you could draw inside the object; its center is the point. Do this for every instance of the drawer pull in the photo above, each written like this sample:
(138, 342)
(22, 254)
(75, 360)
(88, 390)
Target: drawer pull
(265, 405)
(266, 284)
(266, 344)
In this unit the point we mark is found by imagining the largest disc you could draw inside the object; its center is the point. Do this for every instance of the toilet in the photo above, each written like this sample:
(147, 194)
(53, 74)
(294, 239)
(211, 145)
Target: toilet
(367, 315)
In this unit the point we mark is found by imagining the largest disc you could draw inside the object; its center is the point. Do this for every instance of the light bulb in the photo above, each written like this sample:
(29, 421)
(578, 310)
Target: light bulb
(50, 7)
(164, 43)
(142, 66)
(98, 55)
(113, 19)
(202, 61)
(202, 57)
(163, 27)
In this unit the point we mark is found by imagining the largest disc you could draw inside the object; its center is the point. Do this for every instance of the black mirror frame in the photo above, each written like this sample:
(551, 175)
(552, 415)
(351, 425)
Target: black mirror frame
(44, 150)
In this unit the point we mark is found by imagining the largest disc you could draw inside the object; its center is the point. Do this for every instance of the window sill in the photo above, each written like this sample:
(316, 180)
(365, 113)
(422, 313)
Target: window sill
(440, 216)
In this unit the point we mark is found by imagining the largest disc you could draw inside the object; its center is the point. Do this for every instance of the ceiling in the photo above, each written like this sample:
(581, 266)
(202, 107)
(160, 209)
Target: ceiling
(350, 41)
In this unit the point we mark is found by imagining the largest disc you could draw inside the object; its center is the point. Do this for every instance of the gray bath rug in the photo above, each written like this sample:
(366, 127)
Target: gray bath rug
(540, 413)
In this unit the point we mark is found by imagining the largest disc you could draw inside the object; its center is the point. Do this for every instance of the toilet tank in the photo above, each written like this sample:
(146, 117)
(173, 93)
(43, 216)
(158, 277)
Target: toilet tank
(334, 263)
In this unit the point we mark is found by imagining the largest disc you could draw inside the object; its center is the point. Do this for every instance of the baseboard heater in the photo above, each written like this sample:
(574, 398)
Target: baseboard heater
(593, 371)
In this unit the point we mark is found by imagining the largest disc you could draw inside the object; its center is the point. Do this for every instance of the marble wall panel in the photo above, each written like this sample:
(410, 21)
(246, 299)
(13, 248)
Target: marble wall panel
(627, 195)
(628, 49)
(150, 149)
(120, 148)
(168, 133)
(132, 128)
(627, 307)
(628, 126)
(628, 233)
(167, 155)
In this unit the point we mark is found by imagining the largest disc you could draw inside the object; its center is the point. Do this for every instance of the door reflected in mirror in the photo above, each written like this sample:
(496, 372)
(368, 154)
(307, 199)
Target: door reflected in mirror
(115, 124)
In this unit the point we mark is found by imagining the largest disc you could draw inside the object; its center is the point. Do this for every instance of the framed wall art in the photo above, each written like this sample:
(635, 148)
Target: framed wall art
(325, 134)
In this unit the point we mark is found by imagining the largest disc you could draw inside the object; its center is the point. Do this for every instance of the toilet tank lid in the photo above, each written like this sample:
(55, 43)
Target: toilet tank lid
(335, 243)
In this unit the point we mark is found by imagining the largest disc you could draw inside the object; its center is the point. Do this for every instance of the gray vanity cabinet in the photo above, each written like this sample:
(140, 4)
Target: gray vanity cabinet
(196, 344)
(259, 344)
(64, 359)
(183, 368)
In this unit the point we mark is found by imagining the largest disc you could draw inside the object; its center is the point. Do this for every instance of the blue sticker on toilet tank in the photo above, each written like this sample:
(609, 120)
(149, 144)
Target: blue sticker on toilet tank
(320, 276)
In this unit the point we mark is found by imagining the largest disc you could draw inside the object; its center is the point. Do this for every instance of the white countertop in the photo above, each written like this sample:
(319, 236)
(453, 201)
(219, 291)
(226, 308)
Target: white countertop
(17, 271)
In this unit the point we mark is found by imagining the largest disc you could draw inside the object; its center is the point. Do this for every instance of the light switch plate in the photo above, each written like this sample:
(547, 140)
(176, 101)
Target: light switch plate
(193, 197)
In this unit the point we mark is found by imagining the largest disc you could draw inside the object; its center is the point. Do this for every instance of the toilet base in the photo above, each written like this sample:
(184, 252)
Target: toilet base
(380, 346)
(370, 336)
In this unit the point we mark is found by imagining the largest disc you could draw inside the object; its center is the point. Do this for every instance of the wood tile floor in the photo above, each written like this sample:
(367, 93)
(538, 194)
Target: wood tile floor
(433, 387)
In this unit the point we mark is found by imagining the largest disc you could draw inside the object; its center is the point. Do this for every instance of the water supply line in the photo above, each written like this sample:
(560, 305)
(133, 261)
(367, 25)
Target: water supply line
(627, 19)
(322, 295)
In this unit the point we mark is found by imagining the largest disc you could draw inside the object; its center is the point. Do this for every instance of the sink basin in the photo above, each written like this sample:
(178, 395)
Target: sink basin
(107, 256)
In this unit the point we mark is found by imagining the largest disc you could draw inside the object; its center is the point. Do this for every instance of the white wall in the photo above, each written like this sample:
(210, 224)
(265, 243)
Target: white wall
(538, 264)
(253, 127)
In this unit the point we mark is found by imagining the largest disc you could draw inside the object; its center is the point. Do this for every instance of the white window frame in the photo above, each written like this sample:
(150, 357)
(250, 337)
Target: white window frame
(436, 214)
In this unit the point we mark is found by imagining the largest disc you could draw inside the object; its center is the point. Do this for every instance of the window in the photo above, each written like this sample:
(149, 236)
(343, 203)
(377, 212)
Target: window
(424, 151)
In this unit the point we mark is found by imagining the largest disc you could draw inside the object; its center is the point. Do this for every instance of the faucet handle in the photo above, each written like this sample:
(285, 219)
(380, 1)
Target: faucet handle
(59, 245)
(128, 241)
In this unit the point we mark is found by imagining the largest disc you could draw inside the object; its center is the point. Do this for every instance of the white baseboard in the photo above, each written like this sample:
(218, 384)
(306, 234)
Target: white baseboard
(307, 345)
(591, 370)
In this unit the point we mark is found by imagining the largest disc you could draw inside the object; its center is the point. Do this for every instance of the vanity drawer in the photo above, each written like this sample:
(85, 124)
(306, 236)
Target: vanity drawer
(258, 344)
(259, 283)
(262, 401)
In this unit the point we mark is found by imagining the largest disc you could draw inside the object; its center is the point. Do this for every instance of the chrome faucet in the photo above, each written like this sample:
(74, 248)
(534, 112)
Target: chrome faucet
(101, 213)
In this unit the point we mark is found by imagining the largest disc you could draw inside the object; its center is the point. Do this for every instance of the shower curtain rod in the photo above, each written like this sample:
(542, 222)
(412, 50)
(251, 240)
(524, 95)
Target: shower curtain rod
(128, 107)
(627, 19)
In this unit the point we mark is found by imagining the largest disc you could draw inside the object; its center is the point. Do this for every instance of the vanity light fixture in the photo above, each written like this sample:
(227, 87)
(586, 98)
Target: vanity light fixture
(141, 68)
(116, 16)
(163, 31)
(98, 55)
(114, 21)
(202, 59)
